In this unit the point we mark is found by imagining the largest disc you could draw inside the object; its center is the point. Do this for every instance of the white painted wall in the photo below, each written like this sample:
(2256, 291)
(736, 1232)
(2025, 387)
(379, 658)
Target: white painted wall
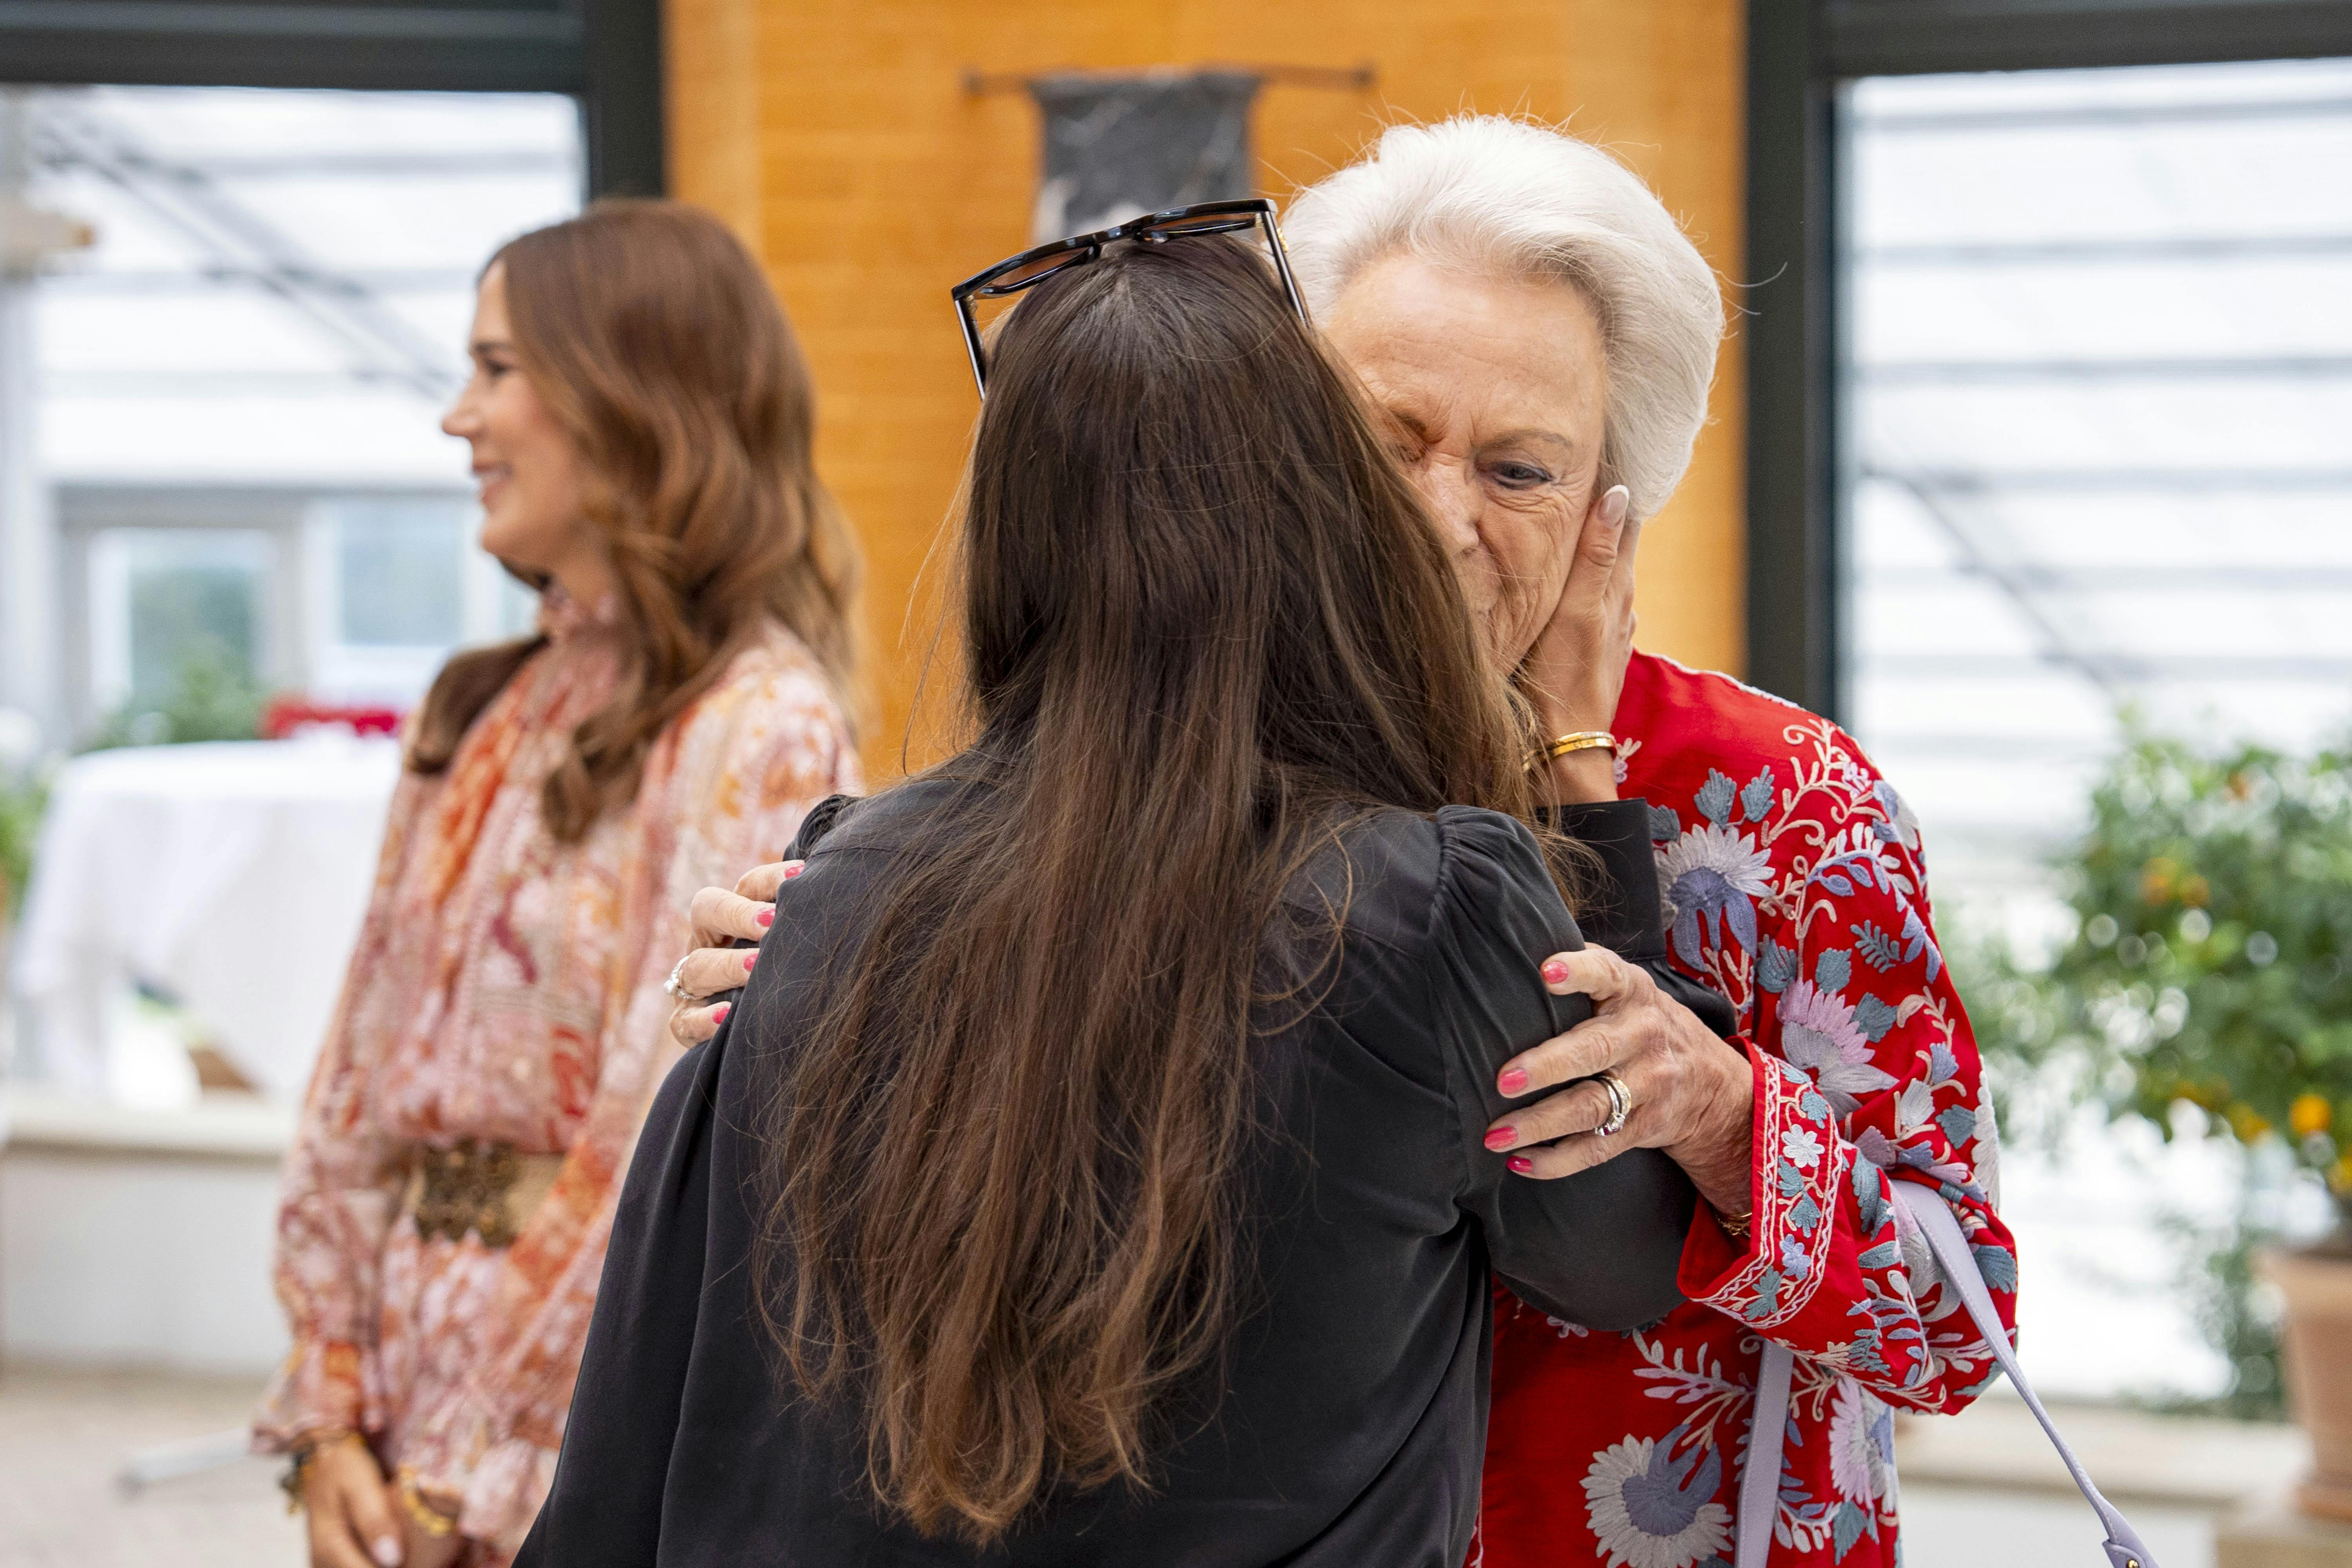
(120, 1247)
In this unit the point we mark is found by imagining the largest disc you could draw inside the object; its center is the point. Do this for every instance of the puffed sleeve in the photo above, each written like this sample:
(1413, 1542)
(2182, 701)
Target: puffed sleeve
(1866, 1074)
(1603, 1248)
(337, 1202)
(1619, 909)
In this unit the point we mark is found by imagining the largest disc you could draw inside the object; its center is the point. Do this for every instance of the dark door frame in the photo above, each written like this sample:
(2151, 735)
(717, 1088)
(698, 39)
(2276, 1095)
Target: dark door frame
(1800, 54)
(605, 53)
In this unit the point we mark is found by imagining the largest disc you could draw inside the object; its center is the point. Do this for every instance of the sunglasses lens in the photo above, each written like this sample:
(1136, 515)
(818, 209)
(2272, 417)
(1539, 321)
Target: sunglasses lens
(1036, 271)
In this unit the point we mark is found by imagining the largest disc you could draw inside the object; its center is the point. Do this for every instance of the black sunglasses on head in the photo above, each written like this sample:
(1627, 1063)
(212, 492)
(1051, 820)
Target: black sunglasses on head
(1032, 268)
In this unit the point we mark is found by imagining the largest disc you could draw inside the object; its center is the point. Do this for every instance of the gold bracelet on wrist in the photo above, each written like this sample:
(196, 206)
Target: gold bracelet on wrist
(299, 1459)
(1580, 740)
(427, 1515)
(1734, 1228)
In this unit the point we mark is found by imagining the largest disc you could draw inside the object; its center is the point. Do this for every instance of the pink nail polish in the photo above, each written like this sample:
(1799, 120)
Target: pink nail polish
(719, 1017)
(766, 917)
(1502, 1138)
(749, 959)
(1520, 1164)
(1555, 971)
(1512, 1080)
(794, 870)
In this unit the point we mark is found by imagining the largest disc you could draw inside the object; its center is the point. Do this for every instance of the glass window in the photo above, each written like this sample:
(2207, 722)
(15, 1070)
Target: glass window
(2102, 378)
(274, 311)
(168, 602)
(400, 569)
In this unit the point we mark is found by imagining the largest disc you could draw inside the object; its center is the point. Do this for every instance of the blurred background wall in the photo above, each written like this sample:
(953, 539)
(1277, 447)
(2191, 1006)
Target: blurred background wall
(840, 141)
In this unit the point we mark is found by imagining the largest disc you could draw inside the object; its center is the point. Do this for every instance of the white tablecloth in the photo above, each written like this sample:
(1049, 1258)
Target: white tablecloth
(233, 875)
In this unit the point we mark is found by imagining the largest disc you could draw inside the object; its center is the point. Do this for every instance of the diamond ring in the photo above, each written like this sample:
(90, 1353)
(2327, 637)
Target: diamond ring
(1621, 1102)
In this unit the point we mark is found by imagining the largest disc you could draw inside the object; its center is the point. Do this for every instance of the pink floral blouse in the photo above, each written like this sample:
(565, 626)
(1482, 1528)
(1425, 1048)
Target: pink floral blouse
(508, 988)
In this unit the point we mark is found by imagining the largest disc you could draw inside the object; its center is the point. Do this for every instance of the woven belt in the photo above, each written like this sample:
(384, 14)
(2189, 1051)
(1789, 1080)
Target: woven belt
(486, 1189)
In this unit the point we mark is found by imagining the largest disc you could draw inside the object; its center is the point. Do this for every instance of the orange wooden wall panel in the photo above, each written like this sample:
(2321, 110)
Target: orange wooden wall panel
(835, 137)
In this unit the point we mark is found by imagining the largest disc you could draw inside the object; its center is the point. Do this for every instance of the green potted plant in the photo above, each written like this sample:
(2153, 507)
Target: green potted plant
(2212, 961)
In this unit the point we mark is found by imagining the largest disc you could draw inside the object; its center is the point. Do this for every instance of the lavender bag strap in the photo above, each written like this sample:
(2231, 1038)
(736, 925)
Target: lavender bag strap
(1760, 1481)
(1759, 1484)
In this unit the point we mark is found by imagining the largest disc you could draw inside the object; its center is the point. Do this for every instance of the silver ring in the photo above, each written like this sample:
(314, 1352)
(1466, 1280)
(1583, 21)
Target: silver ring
(1621, 1102)
(674, 986)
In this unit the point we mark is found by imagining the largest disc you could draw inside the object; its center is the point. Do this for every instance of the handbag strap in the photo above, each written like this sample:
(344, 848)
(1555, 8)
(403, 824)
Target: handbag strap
(1759, 1483)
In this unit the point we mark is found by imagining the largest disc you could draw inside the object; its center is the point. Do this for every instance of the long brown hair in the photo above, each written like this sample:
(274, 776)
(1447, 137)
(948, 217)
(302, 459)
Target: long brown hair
(649, 333)
(1206, 625)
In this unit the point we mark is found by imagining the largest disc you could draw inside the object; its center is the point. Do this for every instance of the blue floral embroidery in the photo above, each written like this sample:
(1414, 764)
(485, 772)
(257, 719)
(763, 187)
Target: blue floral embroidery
(1712, 876)
(1648, 1505)
(1715, 798)
(1872, 1016)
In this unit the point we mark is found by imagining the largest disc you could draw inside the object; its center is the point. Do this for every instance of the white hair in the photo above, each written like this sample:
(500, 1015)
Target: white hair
(1508, 196)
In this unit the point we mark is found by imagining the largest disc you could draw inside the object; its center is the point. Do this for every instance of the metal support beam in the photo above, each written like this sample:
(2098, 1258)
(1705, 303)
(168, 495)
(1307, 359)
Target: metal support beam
(29, 623)
(383, 344)
(1905, 38)
(621, 110)
(2058, 644)
(2110, 252)
(2131, 668)
(2123, 481)
(2104, 116)
(606, 53)
(2004, 373)
(523, 45)
(1795, 451)
(2042, 578)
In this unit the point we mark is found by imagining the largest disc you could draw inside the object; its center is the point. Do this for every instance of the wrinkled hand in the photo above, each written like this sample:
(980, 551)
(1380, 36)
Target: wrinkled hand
(355, 1521)
(1576, 670)
(1694, 1095)
(713, 968)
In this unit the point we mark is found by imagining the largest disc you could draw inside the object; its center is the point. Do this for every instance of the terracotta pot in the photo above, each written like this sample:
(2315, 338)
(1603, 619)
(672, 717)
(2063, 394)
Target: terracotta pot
(2317, 1285)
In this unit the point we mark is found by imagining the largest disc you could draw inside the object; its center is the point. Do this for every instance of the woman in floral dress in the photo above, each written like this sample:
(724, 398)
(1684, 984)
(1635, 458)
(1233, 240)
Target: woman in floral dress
(1541, 337)
(640, 420)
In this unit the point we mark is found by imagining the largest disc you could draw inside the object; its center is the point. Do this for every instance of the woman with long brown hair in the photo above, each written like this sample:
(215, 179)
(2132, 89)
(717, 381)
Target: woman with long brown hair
(1093, 1170)
(640, 419)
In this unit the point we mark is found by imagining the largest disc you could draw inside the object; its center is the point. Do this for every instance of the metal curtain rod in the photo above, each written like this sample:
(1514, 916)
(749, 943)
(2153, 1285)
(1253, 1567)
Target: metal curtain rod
(1344, 79)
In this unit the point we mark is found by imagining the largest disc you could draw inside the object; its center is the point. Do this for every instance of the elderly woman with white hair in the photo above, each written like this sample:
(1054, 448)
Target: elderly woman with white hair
(1540, 336)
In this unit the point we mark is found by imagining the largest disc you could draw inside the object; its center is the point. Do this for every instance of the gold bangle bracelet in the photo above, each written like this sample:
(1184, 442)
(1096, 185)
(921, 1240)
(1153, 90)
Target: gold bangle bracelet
(430, 1519)
(299, 1459)
(1580, 740)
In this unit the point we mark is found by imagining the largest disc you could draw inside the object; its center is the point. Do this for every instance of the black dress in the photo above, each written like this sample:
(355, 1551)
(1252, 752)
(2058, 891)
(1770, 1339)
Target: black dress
(1350, 1427)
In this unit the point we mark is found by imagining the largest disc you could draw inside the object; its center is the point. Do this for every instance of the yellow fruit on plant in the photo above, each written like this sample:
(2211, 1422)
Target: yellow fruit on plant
(2310, 1113)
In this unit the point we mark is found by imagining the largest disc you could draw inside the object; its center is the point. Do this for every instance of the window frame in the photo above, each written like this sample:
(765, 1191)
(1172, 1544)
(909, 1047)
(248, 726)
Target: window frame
(605, 53)
(1802, 55)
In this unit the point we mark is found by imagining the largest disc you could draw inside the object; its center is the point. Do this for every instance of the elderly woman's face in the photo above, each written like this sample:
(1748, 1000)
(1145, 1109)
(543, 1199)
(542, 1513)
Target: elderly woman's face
(1495, 390)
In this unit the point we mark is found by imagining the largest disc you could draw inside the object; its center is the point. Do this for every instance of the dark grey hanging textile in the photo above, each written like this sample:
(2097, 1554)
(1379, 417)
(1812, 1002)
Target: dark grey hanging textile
(1119, 146)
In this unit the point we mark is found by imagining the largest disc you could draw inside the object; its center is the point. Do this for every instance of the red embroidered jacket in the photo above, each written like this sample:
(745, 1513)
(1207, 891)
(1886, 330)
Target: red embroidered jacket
(1793, 885)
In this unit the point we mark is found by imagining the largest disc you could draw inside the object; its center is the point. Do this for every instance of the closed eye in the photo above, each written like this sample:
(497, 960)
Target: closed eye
(1520, 476)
